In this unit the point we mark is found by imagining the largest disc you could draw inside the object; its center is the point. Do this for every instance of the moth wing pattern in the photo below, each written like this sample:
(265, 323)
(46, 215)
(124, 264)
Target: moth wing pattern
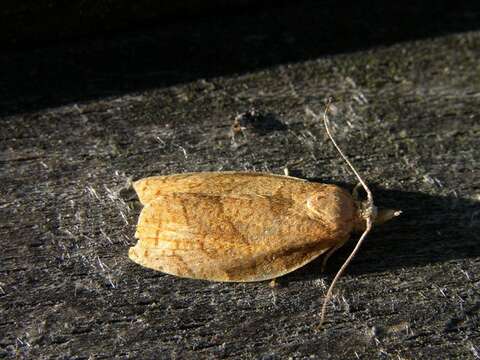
(218, 183)
(229, 236)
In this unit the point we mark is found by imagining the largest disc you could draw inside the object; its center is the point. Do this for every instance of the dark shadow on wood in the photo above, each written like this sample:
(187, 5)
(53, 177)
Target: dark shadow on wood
(432, 229)
(208, 47)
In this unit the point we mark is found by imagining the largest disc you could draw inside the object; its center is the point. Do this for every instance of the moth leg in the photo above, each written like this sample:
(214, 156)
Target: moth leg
(273, 283)
(330, 253)
(355, 191)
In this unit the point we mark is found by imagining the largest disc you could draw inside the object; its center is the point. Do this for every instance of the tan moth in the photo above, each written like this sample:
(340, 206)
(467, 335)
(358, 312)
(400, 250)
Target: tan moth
(244, 226)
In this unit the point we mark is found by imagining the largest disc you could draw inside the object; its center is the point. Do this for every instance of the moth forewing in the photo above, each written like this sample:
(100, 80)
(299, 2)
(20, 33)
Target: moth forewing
(220, 183)
(238, 226)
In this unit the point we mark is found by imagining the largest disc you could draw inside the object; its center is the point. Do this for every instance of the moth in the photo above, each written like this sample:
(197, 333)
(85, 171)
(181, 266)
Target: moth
(243, 226)
(240, 226)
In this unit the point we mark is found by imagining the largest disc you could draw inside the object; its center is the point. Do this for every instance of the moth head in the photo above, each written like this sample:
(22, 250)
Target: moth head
(380, 216)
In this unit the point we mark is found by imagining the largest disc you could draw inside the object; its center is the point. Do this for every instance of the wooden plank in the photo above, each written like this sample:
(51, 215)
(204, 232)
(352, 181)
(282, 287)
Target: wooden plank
(76, 129)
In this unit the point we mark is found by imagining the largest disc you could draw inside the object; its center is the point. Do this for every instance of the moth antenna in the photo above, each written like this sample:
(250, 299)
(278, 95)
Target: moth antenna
(326, 122)
(369, 213)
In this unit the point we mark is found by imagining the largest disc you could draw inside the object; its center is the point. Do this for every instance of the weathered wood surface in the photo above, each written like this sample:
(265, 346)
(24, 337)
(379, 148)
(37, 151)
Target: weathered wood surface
(80, 120)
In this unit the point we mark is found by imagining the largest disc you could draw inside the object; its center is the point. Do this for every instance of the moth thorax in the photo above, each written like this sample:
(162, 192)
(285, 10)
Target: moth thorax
(333, 206)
